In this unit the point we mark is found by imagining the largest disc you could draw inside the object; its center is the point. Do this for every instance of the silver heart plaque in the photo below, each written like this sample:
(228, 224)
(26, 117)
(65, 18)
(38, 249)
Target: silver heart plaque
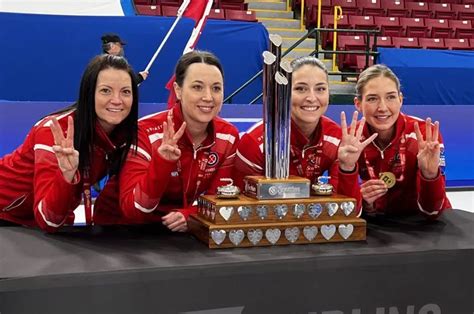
(255, 235)
(218, 236)
(314, 210)
(226, 212)
(236, 236)
(298, 210)
(281, 210)
(345, 230)
(347, 207)
(328, 231)
(310, 232)
(272, 235)
(292, 234)
(332, 208)
(244, 212)
(262, 211)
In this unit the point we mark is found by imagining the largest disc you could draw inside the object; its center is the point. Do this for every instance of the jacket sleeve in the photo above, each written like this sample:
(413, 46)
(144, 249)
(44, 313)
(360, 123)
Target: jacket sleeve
(432, 199)
(143, 180)
(248, 160)
(54, 198)
(347, 183)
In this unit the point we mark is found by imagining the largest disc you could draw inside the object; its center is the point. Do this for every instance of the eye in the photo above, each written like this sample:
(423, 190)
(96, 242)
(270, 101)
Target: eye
(300, 89)
(105, 90)
(217, 89)
(127, 92)
(391, 97)
(196, 87)
(321, 89)
(371, 99)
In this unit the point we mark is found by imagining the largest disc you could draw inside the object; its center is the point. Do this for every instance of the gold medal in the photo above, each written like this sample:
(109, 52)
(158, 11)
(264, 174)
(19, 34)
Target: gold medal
(388, 178)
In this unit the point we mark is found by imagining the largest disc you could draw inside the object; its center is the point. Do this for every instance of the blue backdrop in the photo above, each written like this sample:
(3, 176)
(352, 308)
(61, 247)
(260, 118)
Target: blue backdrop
(43, 56)
(16, 118)
(433, 77)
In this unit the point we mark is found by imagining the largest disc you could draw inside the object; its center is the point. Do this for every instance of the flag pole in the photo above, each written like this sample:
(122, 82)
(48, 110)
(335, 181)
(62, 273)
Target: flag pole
(181, 10)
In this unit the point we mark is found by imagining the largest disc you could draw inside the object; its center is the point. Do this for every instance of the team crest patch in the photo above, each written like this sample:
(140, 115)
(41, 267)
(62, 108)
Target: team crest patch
(213, 159)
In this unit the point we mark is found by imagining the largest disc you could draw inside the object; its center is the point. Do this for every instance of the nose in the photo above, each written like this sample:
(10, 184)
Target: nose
(116, 99)
(207, 95)
(382, 106)
(311, 95)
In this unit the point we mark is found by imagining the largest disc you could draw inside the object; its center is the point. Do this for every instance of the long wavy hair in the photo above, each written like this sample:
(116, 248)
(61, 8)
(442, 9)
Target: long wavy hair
(85, 118)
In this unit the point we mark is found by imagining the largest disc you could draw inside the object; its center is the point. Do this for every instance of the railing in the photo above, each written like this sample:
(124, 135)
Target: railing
(317, 32)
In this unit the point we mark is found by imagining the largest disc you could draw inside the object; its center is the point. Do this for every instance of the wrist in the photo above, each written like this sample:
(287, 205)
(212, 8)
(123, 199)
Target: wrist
(430, 175)
(347, 167)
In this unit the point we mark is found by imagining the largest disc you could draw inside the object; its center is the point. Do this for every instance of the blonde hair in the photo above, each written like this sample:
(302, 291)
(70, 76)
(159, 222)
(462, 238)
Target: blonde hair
(372, 72)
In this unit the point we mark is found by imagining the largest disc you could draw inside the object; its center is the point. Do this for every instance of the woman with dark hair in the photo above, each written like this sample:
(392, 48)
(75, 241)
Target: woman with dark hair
(317, 144)
(182, 152)
(403, 169)
(65, 153)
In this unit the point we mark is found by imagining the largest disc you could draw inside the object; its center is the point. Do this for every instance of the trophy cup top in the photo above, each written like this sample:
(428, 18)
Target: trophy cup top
(229, 190)
(322, 188)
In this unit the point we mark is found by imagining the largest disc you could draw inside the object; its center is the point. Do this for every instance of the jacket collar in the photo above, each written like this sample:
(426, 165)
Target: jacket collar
(399, 129)
(299, 140)
(186, 139)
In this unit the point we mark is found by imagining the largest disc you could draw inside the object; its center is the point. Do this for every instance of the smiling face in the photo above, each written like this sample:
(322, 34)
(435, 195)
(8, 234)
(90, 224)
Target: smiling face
(201, 94)
(113, 97)
(309, 97)
(380, 104)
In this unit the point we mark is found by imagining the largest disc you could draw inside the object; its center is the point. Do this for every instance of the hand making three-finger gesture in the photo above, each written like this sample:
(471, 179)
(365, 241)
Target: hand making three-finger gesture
(169, 149)
(428, 149)
(351, 145)
(67, 156)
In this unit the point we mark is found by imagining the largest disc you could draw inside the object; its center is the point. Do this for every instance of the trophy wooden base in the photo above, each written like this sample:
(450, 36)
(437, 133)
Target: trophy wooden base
(217, 236)
(262, 188)
(249, 210)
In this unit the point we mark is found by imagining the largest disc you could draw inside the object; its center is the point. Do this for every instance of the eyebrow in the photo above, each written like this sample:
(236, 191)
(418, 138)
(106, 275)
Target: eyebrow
(389, 93)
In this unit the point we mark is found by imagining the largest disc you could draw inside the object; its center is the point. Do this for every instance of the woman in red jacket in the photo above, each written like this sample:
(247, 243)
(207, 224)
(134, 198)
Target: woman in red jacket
(182, 152)
(402, 169)
(317, 143)
(42, 181)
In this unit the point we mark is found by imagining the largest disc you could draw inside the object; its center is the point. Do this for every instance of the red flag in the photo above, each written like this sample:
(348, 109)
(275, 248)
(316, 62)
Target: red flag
(198, 10)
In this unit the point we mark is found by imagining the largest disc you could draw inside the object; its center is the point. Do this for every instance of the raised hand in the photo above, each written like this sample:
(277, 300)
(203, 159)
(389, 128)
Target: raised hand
(351, 146)
(175, 221)
(169, 149)
(428, 149)
(371, 190)
(67, 156)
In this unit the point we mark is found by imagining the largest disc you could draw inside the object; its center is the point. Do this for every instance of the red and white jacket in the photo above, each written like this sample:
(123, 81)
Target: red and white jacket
(151, 186)
(33, 191)
(308, 158)
(412, 193)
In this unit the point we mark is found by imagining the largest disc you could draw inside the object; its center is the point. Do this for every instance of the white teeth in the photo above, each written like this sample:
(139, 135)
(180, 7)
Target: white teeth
(114, 110)
(309, 108)
(205, 109)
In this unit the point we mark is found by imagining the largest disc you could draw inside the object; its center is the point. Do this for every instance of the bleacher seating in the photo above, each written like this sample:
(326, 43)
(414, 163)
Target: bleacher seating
(217, 14)
(147, 9)
(222, 9)
(395, 8)
(438, 28)
(462, 28)
(239, 15)
(370, 7)
(457, 44)
(405, 42)
(432, 43)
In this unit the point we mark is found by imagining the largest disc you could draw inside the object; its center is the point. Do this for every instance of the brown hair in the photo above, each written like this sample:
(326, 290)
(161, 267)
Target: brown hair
(195, 56)
(309, 60)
